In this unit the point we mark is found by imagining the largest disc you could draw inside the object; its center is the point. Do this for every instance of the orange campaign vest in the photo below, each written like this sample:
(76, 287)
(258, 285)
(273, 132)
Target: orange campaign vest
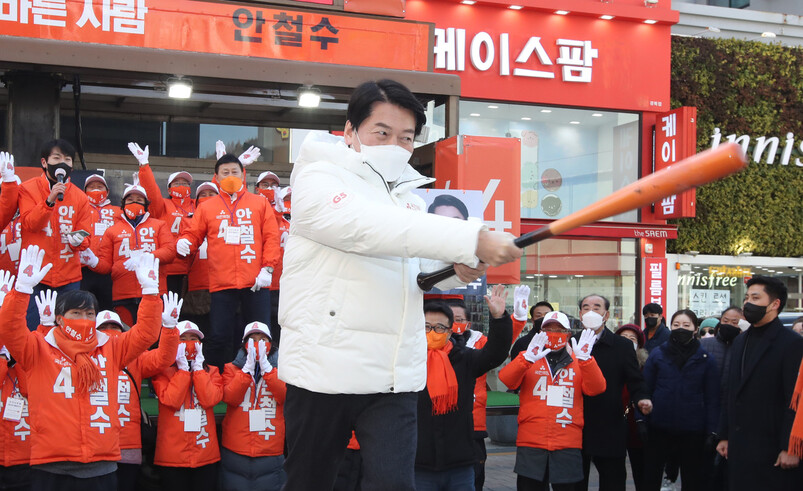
(9, 196)
(559, 425)
(242, 395)
(284, 232)
(198, 278)
(179, 390)
(102, 218)
(15, 441)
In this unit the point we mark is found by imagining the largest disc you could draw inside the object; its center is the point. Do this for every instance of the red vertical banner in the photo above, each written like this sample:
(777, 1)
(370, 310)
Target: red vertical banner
(493, 166)
(654, 280)
(676, 139)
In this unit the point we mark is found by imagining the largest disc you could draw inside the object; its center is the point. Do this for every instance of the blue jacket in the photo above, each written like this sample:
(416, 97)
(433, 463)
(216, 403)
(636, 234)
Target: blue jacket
(686, 399)
(660, 337)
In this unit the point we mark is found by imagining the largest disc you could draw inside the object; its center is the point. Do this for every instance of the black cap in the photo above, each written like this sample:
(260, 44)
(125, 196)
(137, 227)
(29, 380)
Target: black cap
(652, 308)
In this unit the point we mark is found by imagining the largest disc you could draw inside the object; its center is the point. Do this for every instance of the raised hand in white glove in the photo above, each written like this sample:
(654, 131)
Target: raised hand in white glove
(6, 284)
(31, 272)
(249, 156)
(181, 357)
(582, 348)
(148, 274)
(7, 167)
(140, 154)
(535, 350)
(262, 280)
(220, 149)
(520, 297)
(88, 258)
(250, 358)
(172, 309)
(183, 247)
(132, 262)
(75, 240)
(264, 364)
(46, 303)
(198, 361)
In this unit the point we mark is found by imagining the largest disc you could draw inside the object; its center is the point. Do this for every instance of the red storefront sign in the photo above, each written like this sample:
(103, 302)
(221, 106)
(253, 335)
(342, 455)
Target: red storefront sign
(654, 280)
(676, 139)
(538, 56)
(224, 28)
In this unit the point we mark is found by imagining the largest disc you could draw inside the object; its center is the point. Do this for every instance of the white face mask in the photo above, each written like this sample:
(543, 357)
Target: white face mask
(389, 160)
(635, 345)
(743, 324)
(592, 320)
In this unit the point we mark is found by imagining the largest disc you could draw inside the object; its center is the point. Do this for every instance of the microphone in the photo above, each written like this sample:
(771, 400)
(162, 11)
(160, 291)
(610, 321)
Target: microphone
(60, 175)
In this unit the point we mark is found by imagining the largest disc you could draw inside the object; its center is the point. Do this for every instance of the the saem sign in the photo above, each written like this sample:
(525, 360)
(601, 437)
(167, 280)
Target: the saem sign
(765, 149)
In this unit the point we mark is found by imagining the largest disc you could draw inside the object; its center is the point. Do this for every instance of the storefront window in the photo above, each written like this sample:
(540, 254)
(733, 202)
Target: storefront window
(570, 158)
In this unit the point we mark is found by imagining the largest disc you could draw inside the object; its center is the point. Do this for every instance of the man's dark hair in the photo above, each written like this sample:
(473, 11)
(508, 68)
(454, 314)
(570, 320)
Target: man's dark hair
(448, 200)
(75, 299)
(66, 148)
(542, 303)
(737, 309)
(607, 302)
(652, 308)
(774, 288)
(457, 302)
(688, 313)
(441, 307)
(365, 95)
(228, 159)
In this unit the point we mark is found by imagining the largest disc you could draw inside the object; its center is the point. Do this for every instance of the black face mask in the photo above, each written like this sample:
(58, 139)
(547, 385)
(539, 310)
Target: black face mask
(681, 336)
(727, 332)
(754, 313)
(52, 168)
(651, 322)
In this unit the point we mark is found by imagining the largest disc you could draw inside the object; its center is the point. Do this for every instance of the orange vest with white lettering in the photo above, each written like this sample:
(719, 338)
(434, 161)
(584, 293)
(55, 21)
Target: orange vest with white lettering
(15, 441)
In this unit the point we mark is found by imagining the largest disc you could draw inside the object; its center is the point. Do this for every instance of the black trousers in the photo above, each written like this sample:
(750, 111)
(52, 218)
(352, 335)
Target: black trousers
(480, 454)
(636, 456)
(15, 478)
(98, 284)
(687, 448)
(349, 474)
(202, 478)
(275, 328)
(318, 428)
(47, 481)
(612, 473)
(175, 283)
(528, 484)
(127, 475)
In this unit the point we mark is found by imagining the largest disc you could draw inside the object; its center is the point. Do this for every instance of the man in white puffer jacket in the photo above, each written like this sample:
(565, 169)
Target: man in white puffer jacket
(353, 351)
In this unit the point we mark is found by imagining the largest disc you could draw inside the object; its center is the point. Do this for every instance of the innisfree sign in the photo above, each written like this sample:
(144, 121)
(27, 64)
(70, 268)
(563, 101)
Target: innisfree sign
(764, 148)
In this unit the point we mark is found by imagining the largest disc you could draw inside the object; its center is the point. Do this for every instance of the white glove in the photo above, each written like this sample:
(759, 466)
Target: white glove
(520, 296)
(251, 358)
(264, 364)
(535, 350)
(220, 149)
(249, 156)
(198, 362)
(6, 284)
(183, 247)
(131, 263)
(7, 167)
(75, 240)
(582, 348)
(31, 271)
(263, 280)
(140, 154)
(46, 303)
(88, 258)
(172, 309)
(148, 274)
(181, 357)
(4, 352)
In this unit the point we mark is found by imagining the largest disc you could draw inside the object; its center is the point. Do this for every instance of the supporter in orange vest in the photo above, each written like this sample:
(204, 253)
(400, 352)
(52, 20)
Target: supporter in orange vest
(129, 381)
(124, 243)
(176, 212)
(71, 373)
(104, 215)
(186, 441)
(55, 216)
(553, 380)
(15, 429)
(197, 298)
(253, 429)
(268, 186)
(10, 245)
(242, 237)
(9, 190)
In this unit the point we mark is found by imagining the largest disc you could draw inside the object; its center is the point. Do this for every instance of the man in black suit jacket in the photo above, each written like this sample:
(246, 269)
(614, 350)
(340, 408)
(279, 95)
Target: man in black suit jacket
(605, 430)
(756, 418)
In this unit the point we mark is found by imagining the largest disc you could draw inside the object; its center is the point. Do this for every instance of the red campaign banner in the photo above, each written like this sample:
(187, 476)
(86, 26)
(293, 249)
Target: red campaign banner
(675, 140)
(223, 28)
(654, 280)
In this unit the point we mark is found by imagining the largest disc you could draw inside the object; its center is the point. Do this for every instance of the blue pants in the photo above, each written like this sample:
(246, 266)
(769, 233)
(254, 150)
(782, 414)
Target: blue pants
(457, 479)
(226, 329)
(32, 316)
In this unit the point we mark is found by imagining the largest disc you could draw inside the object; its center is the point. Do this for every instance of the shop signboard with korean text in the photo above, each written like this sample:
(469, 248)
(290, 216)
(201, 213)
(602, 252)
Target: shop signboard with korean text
(224, 28)
(675, 140)
(654, 280)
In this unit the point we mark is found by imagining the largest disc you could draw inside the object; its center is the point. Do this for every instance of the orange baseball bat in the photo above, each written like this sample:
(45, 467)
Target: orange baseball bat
(691, 172)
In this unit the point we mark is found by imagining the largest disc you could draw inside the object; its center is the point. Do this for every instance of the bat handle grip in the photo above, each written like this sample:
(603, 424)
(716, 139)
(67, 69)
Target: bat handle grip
(427, 281)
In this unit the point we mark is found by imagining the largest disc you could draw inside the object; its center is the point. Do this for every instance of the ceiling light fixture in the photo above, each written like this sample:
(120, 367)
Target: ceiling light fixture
(525, 118)
(474, 114)
(562, 12)
(650, 21)
(515, 7)
(308, 96)
(546, 110)
(493, 107)
(574, 122)
(468, 2)
(179, 88)
(606, 17)
(597, 115)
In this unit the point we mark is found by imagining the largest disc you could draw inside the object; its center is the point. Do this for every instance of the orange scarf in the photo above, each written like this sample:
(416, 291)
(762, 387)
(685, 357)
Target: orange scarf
(796, 437)
(87, 376)
(441, 380)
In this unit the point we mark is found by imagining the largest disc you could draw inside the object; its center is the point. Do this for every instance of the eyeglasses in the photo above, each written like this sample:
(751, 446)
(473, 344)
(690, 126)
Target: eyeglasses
(439, 328)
